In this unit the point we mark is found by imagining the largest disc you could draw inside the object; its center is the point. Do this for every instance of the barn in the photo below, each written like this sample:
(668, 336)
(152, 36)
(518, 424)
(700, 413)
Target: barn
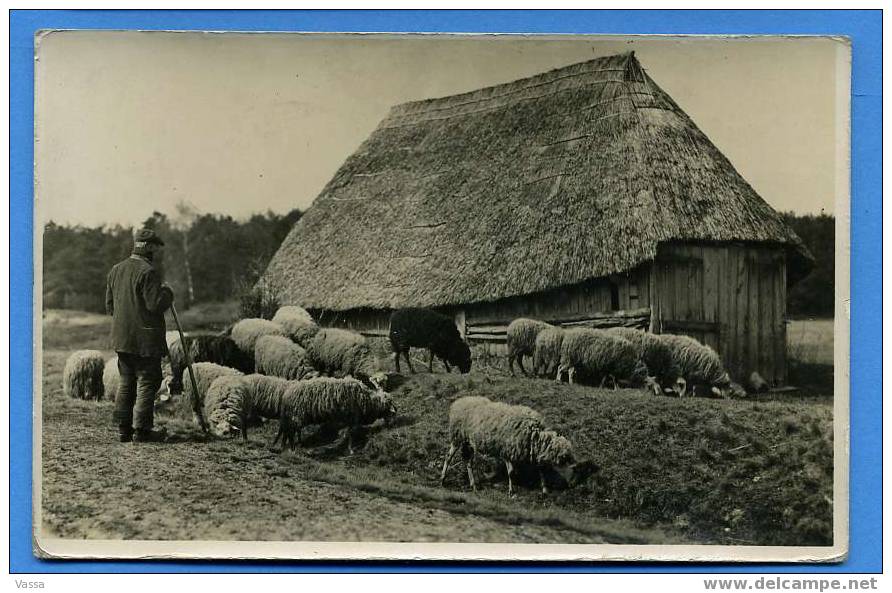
(582, 196)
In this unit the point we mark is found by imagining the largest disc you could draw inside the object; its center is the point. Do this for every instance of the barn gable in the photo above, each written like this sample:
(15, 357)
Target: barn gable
(519, 188)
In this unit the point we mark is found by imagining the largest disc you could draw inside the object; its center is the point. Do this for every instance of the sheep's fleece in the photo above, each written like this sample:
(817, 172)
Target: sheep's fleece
(280, 357)
(82, 376)
(227, 405)
(696, 362)
(246, 331)
(297, 323)
(327, 400)
(341, 352)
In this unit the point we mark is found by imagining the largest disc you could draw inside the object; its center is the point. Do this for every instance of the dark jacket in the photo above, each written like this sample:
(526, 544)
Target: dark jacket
(137, 301)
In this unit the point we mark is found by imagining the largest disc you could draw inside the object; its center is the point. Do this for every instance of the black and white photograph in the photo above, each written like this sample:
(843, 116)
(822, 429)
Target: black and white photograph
(441, 296)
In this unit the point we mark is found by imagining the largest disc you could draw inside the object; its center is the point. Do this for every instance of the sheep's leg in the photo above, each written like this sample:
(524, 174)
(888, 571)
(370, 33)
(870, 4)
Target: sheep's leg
(542, 481)
(396, 359)
(408, 360)
(560, 371)
(615, 384)
(430, 362)
(449, 455)
(471, 473)
(571, 372)
(509, 468)
(511, 363)
(520, 364)
(446, 364)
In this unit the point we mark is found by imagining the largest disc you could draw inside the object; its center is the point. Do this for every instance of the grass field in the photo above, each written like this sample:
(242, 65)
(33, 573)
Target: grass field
(668, 471)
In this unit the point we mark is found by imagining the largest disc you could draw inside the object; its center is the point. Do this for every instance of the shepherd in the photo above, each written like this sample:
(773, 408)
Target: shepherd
(136, 299)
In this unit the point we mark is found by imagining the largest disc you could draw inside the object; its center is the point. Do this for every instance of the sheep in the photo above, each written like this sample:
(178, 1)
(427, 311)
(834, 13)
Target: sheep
(324, 400)
(111, 379)
(340, 352)
(423, 328)
(598, 354)
(280, 357)
(207, 348)
(654, 353)
(227, 406)
(245, 332)
(205, 374)
(296, 323)
(266, 394)
(547, 351)
(521, 340)
(170, 337)
(513, 434)
(698, 366)
(82, 376)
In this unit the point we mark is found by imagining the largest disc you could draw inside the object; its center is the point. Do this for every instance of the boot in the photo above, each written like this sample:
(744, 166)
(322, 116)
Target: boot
(149, 436)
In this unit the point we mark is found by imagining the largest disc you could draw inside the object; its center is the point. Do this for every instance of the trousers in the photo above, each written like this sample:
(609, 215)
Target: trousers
(140, 381)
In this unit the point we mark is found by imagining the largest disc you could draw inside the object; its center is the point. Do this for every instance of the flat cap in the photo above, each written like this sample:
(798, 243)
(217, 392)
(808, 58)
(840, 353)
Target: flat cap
(147, 236)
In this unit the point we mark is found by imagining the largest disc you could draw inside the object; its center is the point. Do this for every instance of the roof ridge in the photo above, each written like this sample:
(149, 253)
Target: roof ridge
(541, 79)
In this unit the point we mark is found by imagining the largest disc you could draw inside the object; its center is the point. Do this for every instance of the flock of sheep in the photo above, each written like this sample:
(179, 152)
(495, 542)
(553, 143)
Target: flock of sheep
(291, 370)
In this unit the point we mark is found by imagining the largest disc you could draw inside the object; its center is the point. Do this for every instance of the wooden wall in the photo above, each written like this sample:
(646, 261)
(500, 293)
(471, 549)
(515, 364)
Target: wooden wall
(731, 297)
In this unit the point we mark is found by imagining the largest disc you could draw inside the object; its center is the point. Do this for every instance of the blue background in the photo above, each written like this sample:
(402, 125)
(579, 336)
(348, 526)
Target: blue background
(863, 27)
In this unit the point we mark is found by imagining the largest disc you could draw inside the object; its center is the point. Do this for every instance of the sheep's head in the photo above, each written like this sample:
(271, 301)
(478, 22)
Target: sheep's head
(679, 388)
(652, 385)
(385, 405)
(460, 356)
(552, 449)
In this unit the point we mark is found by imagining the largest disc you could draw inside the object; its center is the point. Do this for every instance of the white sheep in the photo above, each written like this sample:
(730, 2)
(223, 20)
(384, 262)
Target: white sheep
(205, 374)
(297, 323)
(280, 357)
(325, 400)
(598, 354)
(513, 434)
(227, 406)
(547, 351)
(654, 354)
(111, 379)
(521, 340)
(341, 352)
(246, 332)
(82, 376)
(698, 367)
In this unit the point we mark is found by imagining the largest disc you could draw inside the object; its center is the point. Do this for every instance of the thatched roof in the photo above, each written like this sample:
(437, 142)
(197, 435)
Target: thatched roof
(543, 182)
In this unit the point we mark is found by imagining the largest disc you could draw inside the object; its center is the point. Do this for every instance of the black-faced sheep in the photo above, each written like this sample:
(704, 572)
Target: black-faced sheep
(423, 328)
(521, 340)
(82, 376)
(297, 324)
(654, 353)
(341, 352)
(699, 367)
(513, 434)
(598, 354)
(214, 348)
(330, 401)
(280, 357)
(246, 331)
(547, 352)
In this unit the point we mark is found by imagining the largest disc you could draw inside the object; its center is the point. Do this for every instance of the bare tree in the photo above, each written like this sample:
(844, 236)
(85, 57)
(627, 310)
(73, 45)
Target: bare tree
(185, 215)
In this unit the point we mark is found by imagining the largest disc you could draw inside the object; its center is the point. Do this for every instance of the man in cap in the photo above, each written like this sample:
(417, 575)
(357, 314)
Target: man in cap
(137, 299)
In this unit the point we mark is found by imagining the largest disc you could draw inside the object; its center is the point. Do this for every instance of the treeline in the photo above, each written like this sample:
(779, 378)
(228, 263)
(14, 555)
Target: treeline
(813, 295)
(206, 258)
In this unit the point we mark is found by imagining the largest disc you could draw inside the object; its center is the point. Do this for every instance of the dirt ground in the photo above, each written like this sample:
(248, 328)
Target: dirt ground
(668, 471)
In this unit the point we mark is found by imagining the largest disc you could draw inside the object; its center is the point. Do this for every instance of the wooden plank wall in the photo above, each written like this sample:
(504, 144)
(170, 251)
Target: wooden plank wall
(731, 297)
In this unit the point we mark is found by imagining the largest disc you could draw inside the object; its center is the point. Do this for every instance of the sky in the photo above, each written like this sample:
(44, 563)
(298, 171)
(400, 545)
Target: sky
(132, 122)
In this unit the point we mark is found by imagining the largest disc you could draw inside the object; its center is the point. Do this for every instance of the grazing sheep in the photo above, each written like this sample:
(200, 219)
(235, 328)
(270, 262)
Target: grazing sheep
(205, 374)
(330, 401)
(521, 340)
(599, 354)
(654, 353)
(280, 357)
(547, 351)
(245, 332)
(513, 434)
(82, 376)
(297, 324)
(207, 348)
(340, 352)
(111, 379)
(698, 366)
(266, 394)
(227, 406)
(423, 328)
